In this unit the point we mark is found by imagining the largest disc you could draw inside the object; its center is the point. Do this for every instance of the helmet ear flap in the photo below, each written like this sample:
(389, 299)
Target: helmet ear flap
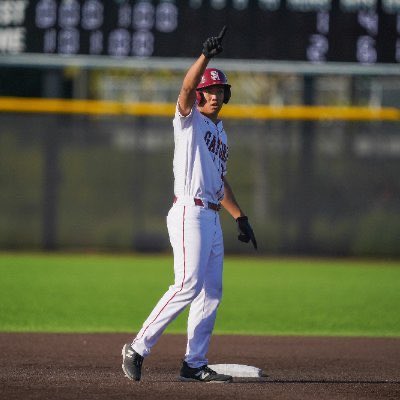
(227, 94)
(200, 98)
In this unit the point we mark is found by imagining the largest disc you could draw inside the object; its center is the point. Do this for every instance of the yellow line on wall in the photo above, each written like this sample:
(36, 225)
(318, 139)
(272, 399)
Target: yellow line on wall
(232, 111)
(312, 113)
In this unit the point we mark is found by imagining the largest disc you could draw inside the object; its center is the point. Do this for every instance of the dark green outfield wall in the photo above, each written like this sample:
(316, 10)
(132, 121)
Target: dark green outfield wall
(84, 182)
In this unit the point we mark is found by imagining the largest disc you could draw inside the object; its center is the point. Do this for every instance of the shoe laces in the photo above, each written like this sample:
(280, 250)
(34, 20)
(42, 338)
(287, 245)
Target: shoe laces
(206, 368)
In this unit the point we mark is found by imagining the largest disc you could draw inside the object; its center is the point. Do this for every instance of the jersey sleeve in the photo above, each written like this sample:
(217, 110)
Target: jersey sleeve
(182, 121)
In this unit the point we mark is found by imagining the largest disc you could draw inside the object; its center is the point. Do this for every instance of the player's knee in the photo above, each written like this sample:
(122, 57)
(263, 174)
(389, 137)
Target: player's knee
(189, 291)
(192, 291)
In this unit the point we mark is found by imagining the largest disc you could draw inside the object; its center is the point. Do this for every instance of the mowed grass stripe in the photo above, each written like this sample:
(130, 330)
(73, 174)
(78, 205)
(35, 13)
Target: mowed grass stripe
(107, 293)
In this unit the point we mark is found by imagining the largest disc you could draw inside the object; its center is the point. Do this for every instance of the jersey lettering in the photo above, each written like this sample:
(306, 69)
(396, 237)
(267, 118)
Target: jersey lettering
(207, 137)
(211, 147)
(219, 148)
(223, 152)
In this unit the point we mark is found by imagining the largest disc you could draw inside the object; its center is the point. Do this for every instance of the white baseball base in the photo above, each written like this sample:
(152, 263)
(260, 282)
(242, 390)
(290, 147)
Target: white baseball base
(237, 370)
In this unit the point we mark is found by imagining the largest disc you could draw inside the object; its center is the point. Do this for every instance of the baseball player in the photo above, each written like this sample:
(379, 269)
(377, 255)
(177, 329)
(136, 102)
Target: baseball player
(201, 187)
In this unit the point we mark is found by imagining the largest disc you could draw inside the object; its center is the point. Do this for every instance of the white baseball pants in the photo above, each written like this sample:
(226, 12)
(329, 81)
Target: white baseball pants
(196, 238)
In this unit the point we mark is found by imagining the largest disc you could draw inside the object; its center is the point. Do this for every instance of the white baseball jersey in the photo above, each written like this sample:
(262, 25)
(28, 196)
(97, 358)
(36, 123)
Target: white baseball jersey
(200, 157)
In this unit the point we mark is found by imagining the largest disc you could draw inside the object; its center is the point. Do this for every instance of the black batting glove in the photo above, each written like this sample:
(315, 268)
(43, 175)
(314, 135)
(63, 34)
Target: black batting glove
(245, 231)
(213, 45)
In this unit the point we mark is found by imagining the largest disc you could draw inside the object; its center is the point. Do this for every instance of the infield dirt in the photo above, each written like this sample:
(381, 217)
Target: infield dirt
(88, 366)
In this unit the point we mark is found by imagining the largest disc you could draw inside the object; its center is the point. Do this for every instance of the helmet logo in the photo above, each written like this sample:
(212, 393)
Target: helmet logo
(215, 76)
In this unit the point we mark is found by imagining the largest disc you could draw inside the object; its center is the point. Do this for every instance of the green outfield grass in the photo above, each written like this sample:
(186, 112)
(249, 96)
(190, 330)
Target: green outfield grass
(106, 293)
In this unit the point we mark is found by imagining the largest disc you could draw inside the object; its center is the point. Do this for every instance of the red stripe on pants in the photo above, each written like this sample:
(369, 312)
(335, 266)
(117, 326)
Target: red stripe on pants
(184, 274)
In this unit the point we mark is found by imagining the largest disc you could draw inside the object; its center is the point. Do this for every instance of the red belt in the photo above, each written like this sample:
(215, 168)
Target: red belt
(199, 202)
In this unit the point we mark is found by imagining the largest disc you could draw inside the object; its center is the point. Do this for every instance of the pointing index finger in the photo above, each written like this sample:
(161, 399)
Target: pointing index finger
(222, 33)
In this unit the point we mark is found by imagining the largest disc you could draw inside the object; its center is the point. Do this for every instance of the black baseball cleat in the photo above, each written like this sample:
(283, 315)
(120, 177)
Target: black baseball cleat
(131, 363)
(202, 374)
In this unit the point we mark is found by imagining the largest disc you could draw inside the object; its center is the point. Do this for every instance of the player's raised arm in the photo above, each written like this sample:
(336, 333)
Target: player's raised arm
(187, 96)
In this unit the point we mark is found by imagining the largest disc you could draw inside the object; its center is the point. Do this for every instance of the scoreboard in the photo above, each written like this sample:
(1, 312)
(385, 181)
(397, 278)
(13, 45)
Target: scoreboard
(317, 31)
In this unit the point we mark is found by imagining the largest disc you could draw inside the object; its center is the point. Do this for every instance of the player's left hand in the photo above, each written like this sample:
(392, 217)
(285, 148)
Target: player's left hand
(246, 231)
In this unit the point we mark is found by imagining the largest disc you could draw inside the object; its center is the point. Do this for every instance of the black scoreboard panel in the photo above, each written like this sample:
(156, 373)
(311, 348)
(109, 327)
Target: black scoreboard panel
(357, 31)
